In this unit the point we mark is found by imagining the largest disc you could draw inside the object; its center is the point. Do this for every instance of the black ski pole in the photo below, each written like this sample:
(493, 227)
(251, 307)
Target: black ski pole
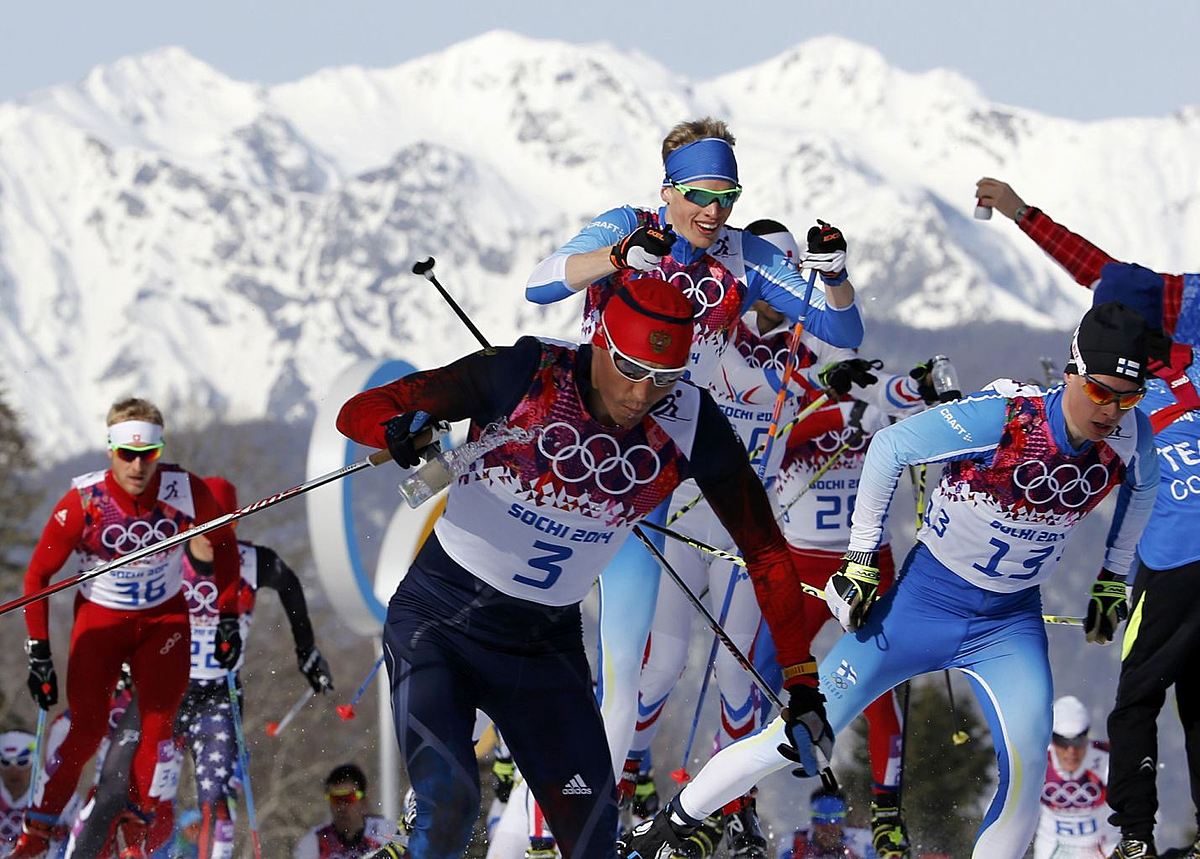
(425, 270)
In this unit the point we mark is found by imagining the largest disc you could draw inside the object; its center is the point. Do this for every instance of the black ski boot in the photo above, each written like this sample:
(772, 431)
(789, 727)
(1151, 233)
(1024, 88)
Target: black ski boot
(743, 835)
(1134, 848)
(889, 836)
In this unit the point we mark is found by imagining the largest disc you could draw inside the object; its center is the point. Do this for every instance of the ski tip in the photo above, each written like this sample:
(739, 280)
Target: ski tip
(681, 776)
(345, 712)
(272, 728)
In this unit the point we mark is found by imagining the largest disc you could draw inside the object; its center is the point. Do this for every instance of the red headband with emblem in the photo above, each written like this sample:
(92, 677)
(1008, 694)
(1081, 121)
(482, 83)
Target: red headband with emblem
(649, 320)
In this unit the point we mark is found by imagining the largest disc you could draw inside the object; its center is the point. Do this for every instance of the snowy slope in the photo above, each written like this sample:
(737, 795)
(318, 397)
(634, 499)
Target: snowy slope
(226, 248)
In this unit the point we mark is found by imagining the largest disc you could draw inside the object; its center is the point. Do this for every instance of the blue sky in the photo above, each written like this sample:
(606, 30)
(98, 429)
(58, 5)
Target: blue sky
(1087, 59)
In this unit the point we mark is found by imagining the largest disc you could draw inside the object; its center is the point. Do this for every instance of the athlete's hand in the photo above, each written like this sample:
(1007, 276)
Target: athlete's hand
(853, 589)
(923, 375)
(504, 774)
(842, 375)
(643, 249)
(315, 669)
(826, 253)
(228, 641)
(401, 432)
(865, 419)
(43, 682)
(1107, 607)
(999, 196)
(806, 727)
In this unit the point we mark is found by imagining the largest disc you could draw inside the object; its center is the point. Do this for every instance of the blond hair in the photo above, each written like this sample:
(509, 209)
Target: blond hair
(691, 131)
(135, 409)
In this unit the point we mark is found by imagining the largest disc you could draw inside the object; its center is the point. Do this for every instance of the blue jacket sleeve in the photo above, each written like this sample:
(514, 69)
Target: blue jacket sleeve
(771, 277)
(548, 282)
(964, 429)
(1135, 501)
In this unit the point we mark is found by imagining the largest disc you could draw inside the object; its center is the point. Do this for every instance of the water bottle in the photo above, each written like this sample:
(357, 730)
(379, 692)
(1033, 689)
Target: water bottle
(982, 212)
(944, 379)
(436, 474)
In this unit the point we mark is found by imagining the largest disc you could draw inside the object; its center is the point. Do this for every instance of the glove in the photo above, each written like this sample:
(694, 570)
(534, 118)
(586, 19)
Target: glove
(643, 249)
(866, 419)
(826, 253)
(504, 773)
(925, 387)
(1107, 607)
(806, 727)
(853, 589)
(627, 785)
(400, 432)
(839, 376)
(314, 667)
(228, 641)
(43, 682)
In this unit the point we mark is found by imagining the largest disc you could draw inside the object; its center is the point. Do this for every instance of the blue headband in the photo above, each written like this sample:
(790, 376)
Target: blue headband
(710, 158)
(828, 809)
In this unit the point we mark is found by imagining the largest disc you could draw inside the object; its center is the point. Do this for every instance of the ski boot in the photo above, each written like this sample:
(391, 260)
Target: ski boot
(1136, 848)
(1194, 853)
(703, 843)
(645, 802)
(132, 825)
(743, 835)
(394, 850)
(889, 836)
(541, 848)
(34, 842)
(658, 838)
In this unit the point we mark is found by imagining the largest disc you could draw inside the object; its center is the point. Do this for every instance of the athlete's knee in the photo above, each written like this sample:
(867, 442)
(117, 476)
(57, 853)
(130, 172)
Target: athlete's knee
(446, 811)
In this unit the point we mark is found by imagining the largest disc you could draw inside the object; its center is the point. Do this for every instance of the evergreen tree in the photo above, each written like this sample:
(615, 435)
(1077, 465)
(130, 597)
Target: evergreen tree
(17, 498)
(945, 784)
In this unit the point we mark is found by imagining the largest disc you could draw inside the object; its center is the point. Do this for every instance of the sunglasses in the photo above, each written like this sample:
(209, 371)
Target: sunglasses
(22, 760)
(702, 197)
(635, 371)
(1103, 395)
(129, 454)
(1078, 742)
(344, 794)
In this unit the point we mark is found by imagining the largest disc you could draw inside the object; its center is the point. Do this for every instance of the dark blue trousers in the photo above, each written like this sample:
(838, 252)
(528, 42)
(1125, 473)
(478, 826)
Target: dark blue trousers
(454, 644)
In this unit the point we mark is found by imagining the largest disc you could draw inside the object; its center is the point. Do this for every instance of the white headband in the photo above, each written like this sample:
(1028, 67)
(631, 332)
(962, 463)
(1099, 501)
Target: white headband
(139, 435)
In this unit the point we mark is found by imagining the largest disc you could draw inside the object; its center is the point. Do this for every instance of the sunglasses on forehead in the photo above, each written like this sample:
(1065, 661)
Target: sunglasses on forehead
(635, 371)
(129, 454)
(1103, 395)
(702, 197)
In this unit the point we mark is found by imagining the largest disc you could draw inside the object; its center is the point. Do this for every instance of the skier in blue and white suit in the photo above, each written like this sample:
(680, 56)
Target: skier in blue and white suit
(1024, 466)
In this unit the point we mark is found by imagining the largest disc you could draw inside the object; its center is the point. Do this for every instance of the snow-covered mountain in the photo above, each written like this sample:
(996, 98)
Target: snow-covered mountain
(227, 247)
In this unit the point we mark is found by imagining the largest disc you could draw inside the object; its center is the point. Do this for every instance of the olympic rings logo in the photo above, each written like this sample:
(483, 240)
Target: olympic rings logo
(574, 460)
(171, 642)
(1072, 794)
(201, 596)
(697, 291)
(834, 439)
(763, 357)
(138, 534)
(1066, 484)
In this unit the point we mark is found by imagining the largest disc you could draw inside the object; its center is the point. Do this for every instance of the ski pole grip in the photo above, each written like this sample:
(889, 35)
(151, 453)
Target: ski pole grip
(424, 439)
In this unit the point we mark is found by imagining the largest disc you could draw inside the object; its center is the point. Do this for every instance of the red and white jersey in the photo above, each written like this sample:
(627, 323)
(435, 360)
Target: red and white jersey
(1074, 818)
(109, 532)
(201, 593)
(12, 812)
(323, 842)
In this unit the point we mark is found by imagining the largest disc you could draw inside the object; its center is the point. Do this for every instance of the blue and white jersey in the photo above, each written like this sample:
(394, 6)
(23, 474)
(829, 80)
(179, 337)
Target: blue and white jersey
(722, 282)
(1171, 538)
(1014, 486)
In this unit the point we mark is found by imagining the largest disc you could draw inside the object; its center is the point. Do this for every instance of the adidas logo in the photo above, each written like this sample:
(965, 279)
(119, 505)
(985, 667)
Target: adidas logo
(577, 787)
(61, 516)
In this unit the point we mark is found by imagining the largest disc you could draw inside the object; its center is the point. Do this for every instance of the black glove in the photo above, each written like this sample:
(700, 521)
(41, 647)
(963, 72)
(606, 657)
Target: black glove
(806, 727)
(925, 387)
(400, 433)
(1107, 607)
(229, 641)
(826, 253)
(839, 376)
(315, 669)
(643, 249)
(43, 682)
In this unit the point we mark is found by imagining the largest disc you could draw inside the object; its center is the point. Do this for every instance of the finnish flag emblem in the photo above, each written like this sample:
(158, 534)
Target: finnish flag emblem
(847, 673)
(1129, 368)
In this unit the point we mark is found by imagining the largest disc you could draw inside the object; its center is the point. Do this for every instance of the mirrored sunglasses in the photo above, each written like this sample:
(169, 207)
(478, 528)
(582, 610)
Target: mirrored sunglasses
(1103, 395)
(344, 794)
(635, 371)
(129, 454)
(1078, 742)
(702, 197)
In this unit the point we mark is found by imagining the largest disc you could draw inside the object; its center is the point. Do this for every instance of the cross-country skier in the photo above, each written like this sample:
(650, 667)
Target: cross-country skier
(827, 836)
(1074, 820)
(1023, 466)
(1163, 640)
(16, 765)
(351, 832)
(135, 614)
(722, 271)
(592, 439)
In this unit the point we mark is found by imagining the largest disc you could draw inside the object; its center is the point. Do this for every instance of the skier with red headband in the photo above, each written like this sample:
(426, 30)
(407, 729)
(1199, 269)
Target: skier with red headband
(586, 441)
(135, 614)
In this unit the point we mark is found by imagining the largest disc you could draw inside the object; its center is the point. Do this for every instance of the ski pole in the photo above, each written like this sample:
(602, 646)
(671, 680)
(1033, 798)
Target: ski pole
(274, 729)
(243, 761)
(827, 777)
(35, 772)
(808, 589)
(812, 481)
(425, 270)
(959, 737)
(783, 430)
(346, 711)
(377, 458)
